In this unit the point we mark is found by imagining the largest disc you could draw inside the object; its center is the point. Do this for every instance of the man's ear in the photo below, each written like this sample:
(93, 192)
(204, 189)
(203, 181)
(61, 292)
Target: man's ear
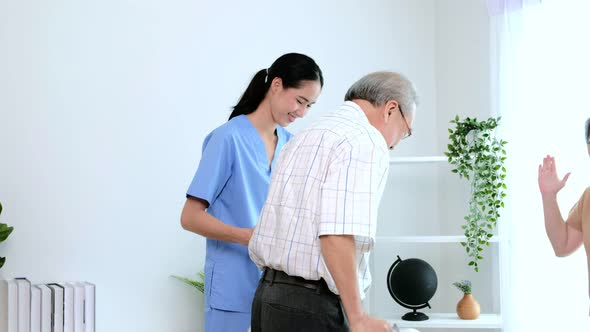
(390, 107)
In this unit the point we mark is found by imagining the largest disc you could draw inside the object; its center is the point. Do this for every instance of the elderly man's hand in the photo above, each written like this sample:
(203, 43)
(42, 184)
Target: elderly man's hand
(370, 324)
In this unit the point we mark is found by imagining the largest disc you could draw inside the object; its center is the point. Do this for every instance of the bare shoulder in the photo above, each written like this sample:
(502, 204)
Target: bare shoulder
(584, 205)
(585, 200)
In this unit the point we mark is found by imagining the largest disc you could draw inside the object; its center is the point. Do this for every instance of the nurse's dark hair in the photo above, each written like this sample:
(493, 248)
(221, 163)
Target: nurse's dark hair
(291, 68)
(587, 127)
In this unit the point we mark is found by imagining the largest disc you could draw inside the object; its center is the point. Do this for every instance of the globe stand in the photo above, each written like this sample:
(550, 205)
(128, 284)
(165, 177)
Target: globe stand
(415, 316)
(403, 288)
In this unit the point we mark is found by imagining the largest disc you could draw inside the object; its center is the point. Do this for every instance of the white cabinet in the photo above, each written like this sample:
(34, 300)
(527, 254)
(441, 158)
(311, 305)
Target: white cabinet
(420, 216)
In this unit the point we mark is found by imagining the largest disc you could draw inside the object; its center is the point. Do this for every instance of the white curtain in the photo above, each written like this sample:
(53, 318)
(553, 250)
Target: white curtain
(542, 62)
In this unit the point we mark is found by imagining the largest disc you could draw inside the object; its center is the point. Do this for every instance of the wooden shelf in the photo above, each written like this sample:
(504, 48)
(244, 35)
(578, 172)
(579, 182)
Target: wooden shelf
(428, 239)
(417, 160)
(450, 321)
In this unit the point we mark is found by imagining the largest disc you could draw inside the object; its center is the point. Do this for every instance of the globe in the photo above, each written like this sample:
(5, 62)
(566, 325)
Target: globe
(412, 283)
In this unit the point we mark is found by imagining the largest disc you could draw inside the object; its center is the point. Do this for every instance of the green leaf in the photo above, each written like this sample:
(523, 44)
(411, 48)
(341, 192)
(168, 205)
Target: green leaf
(197, 284)
(5, 231)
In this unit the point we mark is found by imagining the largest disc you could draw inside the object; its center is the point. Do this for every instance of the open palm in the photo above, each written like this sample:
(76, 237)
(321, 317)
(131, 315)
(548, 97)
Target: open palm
(549, 182)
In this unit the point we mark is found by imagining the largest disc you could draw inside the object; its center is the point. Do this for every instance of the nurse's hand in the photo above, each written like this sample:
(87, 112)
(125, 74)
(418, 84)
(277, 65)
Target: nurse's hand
(246, 236)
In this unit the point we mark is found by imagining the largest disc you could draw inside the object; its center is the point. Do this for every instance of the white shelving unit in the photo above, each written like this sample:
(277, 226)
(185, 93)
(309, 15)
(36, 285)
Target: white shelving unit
(442, 320)
(429, 239)
(451, 321)
(415, 160)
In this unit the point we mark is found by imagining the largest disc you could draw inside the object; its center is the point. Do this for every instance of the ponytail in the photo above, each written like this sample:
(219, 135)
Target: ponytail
(253, 95)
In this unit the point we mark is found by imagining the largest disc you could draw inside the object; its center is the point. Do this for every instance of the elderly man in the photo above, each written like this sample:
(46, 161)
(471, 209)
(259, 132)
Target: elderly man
(318, 224)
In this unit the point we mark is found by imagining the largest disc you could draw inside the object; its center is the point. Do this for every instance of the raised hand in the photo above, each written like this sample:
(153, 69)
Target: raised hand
(549, 182)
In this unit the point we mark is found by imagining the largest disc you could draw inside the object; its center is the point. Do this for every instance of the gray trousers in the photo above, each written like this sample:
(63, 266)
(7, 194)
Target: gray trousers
(282, 305)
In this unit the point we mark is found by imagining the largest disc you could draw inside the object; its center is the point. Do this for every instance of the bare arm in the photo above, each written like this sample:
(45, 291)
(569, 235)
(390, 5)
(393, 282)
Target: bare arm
(196, 219)
(565, 238)
(338, 252)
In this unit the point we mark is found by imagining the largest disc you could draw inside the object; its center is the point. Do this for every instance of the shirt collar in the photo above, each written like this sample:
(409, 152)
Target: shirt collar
(355, 109)
(358, 112)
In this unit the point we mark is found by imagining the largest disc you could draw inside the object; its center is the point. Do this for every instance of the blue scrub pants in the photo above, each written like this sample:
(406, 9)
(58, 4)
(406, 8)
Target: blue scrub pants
(217, 320)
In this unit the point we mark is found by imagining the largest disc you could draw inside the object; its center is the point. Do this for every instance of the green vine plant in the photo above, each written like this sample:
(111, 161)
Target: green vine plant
(5, 231)
(478, 156)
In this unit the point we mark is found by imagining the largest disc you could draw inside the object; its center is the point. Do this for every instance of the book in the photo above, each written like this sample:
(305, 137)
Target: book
(68, 307)
(35, 309)
(3, 305)
(53, 307)
(24, 304)
(57, 307)
(12, 306)
(89, 307)
(79, 293)
(45, 308)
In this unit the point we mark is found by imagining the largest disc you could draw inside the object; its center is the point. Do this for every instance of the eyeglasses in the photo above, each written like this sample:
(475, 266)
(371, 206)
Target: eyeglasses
(408, 133)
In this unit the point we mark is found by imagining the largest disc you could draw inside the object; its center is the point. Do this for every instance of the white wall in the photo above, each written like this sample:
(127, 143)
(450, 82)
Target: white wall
(104, 106)
(462, 88)
(427, 199)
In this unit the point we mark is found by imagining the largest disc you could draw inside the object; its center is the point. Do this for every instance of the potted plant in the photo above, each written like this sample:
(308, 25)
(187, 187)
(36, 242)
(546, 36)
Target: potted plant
(5, 231)
(467, 307)
(198, 284)
(478, 156)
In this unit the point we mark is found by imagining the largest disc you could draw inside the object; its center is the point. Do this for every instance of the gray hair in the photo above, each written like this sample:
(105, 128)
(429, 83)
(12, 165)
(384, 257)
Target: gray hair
(380, 87)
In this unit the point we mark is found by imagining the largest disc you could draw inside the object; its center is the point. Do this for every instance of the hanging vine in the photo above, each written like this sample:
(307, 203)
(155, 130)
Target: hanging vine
(478, 156)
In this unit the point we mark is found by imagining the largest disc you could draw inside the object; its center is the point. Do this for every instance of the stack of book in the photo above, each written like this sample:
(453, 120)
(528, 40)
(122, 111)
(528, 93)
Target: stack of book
(53, 307)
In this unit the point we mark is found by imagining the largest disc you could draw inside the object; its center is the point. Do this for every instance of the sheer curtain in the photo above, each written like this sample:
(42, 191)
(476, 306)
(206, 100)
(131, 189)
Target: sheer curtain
(542, 63)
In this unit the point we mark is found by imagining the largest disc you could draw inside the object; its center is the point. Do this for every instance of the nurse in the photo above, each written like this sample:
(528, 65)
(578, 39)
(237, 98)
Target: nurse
(231, 183)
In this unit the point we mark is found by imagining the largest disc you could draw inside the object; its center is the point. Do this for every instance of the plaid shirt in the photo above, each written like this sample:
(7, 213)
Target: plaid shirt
(328, 180)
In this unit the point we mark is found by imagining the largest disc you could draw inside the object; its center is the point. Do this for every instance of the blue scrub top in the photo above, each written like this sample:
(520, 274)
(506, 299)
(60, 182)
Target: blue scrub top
(233, 176)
